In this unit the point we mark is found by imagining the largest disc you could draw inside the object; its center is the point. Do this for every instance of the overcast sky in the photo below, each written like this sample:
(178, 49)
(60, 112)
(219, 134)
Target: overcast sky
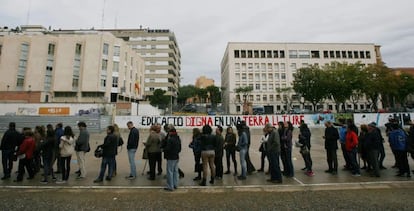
(203, 28)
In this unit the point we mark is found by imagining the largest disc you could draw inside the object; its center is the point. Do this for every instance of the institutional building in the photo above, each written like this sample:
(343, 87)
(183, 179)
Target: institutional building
(159, 49)
(42, 65)
(269, 66)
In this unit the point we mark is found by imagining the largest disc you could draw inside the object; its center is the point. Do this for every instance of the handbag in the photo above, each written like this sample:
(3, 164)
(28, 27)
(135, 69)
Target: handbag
(98, 151)
(304, 150)
(145, 154)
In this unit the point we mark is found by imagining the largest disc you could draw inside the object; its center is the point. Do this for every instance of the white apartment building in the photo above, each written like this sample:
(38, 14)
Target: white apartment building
(269, 66)
(41, 65)
(159, 49)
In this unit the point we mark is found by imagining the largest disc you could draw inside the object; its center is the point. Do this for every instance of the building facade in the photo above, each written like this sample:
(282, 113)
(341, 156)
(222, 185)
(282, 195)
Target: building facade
(159, 49)
(40, 65)
(268, 67)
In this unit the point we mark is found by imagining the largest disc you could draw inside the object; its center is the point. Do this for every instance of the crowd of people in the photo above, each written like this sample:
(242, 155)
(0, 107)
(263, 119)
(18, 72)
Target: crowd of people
(362, 149)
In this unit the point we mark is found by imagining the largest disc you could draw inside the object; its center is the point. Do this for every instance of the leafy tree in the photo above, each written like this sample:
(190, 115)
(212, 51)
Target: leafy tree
(160, 99)
(202, 94)
(184, 93)
(287, 96)
(215, 95)
(405, 87)
(244, 91)
(310, 83)
(342, 80)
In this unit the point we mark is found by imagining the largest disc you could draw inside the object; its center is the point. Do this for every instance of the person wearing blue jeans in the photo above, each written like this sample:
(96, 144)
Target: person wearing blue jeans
(109, 148)
(242, 145)
(172, 150)
(132, 146)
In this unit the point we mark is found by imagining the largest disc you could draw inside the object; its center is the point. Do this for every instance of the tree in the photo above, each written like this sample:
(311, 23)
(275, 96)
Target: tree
(201, 94)
(310, 83)
(215, 95)
(159, 99)
(244, 91)
(342, 80)
(287, 96)
(184, 93)
(405, 88)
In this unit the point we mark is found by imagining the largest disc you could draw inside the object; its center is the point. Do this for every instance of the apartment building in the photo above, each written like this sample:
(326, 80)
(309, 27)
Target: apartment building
(268, 67)
(159, 49)
(43, 65)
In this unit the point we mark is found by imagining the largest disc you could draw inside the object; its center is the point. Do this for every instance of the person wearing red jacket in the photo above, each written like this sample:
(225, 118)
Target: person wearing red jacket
(25, 155)
(351, 146)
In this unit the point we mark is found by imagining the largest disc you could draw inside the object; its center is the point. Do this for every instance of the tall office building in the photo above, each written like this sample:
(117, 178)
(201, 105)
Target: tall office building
(159, 49)
(269, 66)
(41, 65)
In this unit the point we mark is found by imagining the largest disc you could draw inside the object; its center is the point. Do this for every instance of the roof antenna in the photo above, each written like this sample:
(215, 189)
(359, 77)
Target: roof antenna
(28, 12)
(103, 14)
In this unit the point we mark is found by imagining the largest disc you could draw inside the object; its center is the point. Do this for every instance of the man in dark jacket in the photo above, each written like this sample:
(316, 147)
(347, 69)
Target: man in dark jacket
(218, 157)
(273, 153)
(82, 147)
(109, 148)
(372, 143)
(8, 143)
(171, 151)
(331, 145)
(132, 147)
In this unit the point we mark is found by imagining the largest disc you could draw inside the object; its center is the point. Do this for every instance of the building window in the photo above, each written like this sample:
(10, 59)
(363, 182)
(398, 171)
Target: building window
(362, 55)
(264, 98)
(282, 54)
(115, 67)
(256, 66)
(269, 66)
(355, 54)
(236, 54)
(277, 76)
(249, 54)
(257, 97)
(315, 54)
(115, 82)
(271, 99)
(269, 54)
(275, 54)
(244, 76)
(152, 89)
(262, 54)
(257, 87)
(283, 76)
(78, 49)
(264, 87)
(257, 77)
(331, 54)
(105, 49)
(75, 82)
(325, 54)
(24, 52)
(51, 49)
(350, 54)
(304, 54)
(276, 66)
(237, 66)
(282, 67)
(367, 53)
(243, 54)
(103, 83)
(338, 54)
(104, 65)
(293, 54)
(1, 46)
(117, 51)
(250, 66)
(344, 54)
(293, 66)
(237, 76)
(271, 87)
(256, 54)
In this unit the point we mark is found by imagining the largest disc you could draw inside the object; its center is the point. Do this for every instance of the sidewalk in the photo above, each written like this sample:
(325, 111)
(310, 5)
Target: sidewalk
(257, 180)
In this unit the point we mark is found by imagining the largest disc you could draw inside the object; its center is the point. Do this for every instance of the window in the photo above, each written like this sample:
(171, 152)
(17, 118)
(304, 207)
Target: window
(78, 49)
(275, 54)
(250, 76)
(362, 55)
(104, 64)
(304, 54)
(277, 76)
(264, 87)
(257, 97)
(269, 54)
(256, 54)
(315, 54)
(356, 54)
(257, 87)
(338, 54)
(271, 87)
(282, 67)
(282, 54)
(325, 54)
(243, 66)
(293, 66)
(103, 82)
(331, 54)
(237, 76)
(256, 66)
(283, 76)
(269, 66)
(237, 66)
(367, 53)
(105, 49)
(117, 51)
(249, 54)
(271, 98)
(257, 77)
(270, 76)
(115, 66)
(20, 82)
(293, 54)
(51, 49)
(263, 66)
(1, 46)
(262, 54)
(276, 66)
(243, 54)
(244, 76)
(265, 98)
(75, 82)
(250, 66)
(350, 54)
(263, 76)
(236, 54)
(115, 82)
(344, 54)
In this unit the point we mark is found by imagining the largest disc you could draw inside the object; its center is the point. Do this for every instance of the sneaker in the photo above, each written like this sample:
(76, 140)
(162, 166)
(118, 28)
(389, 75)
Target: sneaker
(61, 182)
(98, 180)
(108, 178)
(310, 173)
(44, 182)
(130, 177)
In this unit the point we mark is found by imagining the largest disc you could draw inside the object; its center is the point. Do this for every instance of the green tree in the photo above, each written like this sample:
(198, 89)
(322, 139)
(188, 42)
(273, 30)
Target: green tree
(310, 83)
(405, 87)
(202, 94)
(244, 91)
(159, 99)
(184, 93)
(215, 95)
(342, 80)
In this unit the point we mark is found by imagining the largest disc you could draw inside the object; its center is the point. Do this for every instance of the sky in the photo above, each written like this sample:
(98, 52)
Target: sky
(204, 28)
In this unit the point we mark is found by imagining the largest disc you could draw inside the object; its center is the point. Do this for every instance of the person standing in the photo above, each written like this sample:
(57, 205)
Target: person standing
(67, 148)
(58, 133)
(218, 158)
(351, 144)
(195, 144)
(287, 146)
(152, 145)
(172, 150)
(109, 148)
(208, 146)
(262, 149)
(132, 146)
(8, 144)
(25, 155)
(342, 137)
(230, 147)
(82, 147)
(372, 144)
(47, 147)
(398, 143)
(250, 166)
(273, 153)
(331, 146)
(242, 147)
(304, 140)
